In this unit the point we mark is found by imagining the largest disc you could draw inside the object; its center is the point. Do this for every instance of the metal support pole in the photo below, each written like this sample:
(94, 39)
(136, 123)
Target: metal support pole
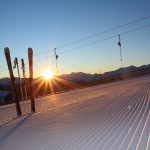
(16, 63)
(24, 78)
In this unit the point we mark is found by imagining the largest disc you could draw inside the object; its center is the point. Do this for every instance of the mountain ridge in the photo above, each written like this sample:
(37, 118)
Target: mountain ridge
(86, 77)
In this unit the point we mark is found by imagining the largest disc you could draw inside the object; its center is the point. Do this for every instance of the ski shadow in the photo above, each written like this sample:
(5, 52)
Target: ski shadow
(4, 137)
(3, 125)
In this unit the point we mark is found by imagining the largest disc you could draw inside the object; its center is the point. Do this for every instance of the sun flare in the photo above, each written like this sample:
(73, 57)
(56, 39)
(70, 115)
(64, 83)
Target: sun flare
(48, 74)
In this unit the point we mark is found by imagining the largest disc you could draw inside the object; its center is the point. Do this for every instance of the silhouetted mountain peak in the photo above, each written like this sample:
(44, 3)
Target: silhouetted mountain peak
(85, 77)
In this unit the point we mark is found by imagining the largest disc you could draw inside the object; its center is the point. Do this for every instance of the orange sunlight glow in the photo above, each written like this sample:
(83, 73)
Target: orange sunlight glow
(48, 74)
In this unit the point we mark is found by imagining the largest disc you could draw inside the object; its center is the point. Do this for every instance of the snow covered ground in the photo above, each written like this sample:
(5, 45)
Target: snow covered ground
(110, 116)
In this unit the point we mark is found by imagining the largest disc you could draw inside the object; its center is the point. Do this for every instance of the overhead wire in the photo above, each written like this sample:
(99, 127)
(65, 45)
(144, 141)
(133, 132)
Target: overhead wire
(111, 29)
(94, 42)
(105, 39)
(82, 39)
(111, 37)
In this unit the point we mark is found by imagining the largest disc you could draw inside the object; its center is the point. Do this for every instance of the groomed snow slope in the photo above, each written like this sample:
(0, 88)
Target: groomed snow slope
(111, 116)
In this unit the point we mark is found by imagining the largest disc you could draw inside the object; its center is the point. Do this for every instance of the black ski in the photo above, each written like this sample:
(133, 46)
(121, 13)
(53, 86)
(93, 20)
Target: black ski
(8, 59)
(30, 57)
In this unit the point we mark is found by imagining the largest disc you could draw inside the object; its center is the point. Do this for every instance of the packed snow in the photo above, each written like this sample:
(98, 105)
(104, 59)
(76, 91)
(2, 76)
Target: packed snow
(109, 116)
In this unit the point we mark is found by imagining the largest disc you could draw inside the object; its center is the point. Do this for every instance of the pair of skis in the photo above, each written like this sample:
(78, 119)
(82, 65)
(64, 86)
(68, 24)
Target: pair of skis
(8, 59)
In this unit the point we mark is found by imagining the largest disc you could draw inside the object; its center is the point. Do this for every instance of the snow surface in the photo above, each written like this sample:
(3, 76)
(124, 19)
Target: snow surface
(110, 116)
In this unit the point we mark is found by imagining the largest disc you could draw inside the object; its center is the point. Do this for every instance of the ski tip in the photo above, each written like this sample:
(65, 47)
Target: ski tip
(6, 49)
(30, 49)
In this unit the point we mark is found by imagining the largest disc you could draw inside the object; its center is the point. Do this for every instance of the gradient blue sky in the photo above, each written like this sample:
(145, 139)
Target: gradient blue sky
(46, 24)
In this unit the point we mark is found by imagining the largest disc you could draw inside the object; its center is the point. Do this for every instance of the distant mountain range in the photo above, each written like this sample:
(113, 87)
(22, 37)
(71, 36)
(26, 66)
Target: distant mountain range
(125, 70)
(67, 82)
(85, 77)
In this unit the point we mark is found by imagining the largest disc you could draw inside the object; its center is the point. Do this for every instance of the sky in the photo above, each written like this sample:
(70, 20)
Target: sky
(47, 24)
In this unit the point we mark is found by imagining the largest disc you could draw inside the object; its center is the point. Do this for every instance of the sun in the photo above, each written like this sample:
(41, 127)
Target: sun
(48, 74)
